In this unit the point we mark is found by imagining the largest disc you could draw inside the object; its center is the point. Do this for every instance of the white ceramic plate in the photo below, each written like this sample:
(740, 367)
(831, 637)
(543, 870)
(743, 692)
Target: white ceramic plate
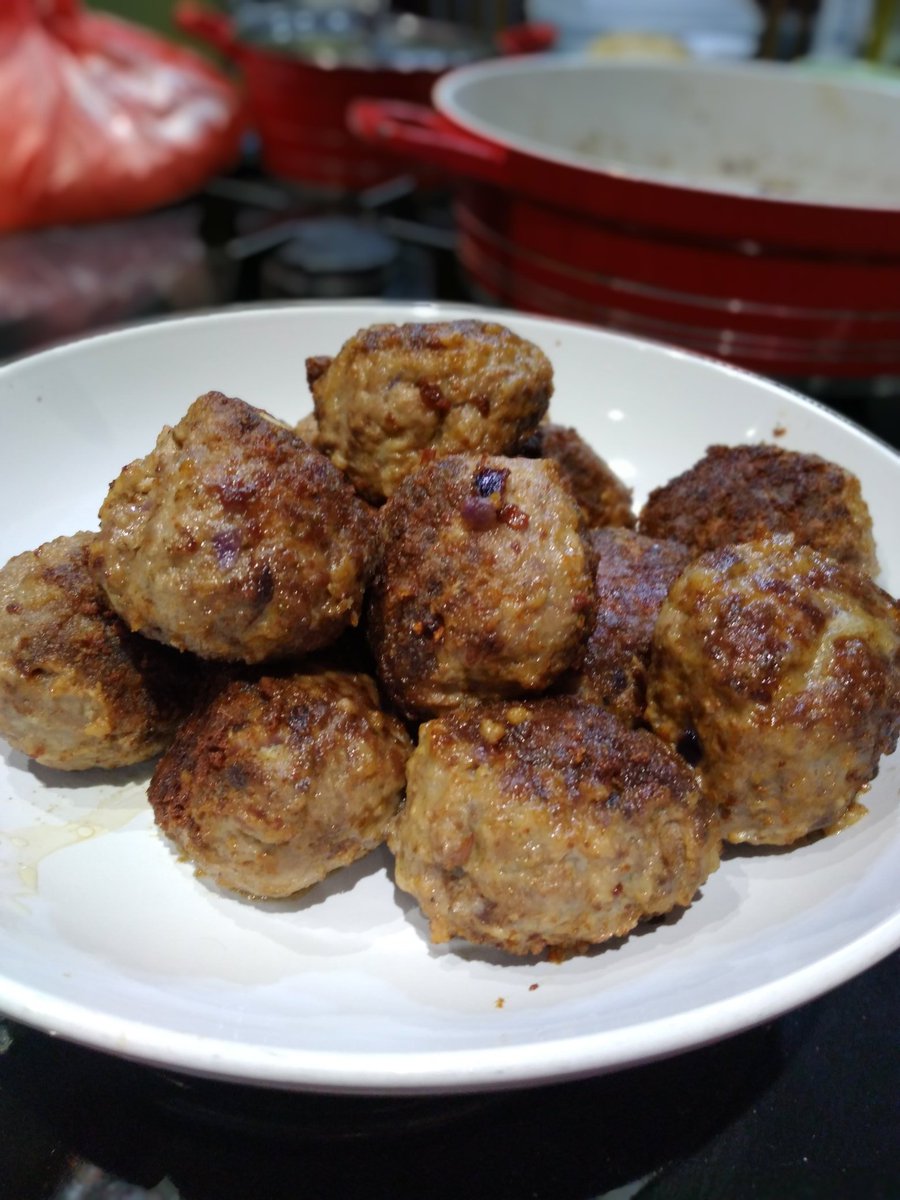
(106, 938)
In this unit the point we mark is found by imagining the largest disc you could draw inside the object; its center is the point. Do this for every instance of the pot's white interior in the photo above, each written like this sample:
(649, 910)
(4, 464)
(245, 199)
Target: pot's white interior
(749, 128)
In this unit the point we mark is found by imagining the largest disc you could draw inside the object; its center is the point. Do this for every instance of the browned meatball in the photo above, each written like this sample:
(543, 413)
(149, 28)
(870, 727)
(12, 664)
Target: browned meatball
(742, 493)
(484, 585)
(279, 781)
(632, 577)
(604, 498)
(77, 690)
(547, 824)
(308, 430)
(784, 667)
(397, 395)
(234, 539)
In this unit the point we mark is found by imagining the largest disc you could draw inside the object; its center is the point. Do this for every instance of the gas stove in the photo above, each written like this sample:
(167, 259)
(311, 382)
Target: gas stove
(249, 236)
(270, 239)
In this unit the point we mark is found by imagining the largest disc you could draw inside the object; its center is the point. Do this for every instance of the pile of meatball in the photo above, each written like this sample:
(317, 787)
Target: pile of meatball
(426, 616)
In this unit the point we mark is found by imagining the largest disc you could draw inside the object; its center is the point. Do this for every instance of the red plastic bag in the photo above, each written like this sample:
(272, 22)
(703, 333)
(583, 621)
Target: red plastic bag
(99, 118)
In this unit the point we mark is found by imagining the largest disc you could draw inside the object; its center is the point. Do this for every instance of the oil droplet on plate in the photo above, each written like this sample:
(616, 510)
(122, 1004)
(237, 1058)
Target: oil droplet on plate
(33, 844)
(28, 877)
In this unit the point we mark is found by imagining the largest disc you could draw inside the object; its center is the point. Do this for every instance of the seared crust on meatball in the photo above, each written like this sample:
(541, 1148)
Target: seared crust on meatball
(281, 780)
(547, 824)
(77, 689)
(784, 667)
(604, 498)
(632, 577)
(308, 430)
(234, 539)
(483, 587)
(743, 493)
(397, 395)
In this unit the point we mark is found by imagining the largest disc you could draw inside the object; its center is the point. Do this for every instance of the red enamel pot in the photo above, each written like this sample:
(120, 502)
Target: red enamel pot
(298, 88)
(750, 211)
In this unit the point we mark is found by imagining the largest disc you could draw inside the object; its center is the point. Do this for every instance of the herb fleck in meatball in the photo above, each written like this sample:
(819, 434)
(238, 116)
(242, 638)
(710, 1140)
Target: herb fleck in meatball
(77, 689)
(632, 577)
(784, 668)
(396, 396)
(743, 493)
(234, 539)
(279, 781)
(483, 587)
(548, 823)
(604, 498)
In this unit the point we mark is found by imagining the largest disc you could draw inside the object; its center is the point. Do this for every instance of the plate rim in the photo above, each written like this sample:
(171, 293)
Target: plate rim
(456, 1071)
(439, 309)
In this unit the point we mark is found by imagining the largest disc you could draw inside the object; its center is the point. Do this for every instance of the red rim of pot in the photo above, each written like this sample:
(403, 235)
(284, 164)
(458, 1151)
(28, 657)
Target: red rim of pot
(448, 137)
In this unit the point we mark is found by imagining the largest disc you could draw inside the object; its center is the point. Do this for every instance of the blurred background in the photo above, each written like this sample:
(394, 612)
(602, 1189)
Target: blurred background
(239, 178)
(248, 183)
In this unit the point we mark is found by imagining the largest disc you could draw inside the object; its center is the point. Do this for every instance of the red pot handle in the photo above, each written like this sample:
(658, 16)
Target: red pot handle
(209, 26)
(418, 132)
(531, 37)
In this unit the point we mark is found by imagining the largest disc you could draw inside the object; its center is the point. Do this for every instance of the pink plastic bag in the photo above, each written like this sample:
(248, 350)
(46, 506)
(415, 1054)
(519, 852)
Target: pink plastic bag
(99, 118)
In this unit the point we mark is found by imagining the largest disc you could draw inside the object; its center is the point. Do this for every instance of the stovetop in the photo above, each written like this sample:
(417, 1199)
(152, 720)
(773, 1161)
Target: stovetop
(803, 1107)
(250, 237)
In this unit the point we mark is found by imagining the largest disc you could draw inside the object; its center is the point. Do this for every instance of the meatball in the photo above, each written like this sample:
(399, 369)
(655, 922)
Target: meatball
(547, 823)
(281, 780)
(604, 498)
(77, 689)
(234, 539)
(781, 669)
(633, 574)
(483, 587)
(396, 396)
(743, 493)
(307, 430)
